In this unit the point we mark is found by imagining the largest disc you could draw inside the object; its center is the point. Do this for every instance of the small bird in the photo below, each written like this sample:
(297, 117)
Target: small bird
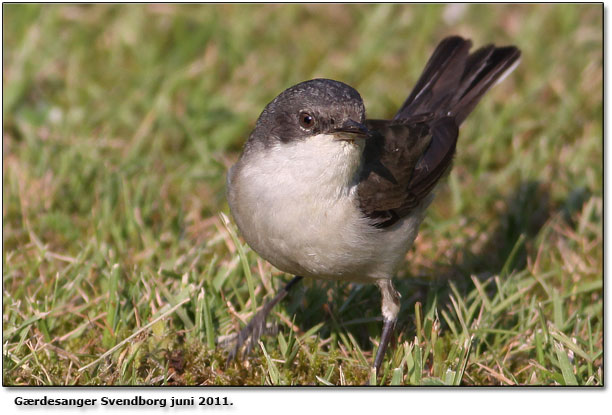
(320, 191)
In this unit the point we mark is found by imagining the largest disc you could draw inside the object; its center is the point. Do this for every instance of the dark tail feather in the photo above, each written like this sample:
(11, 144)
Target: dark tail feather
(489, 70)
(439, 78)
(453, 81)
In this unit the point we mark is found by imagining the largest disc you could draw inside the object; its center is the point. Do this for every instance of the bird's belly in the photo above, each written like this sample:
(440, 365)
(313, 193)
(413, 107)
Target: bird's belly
(331, 241)
(299, 211)
(324, 243)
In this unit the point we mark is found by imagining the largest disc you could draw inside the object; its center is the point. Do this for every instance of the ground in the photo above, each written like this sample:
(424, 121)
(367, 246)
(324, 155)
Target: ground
(119, 265)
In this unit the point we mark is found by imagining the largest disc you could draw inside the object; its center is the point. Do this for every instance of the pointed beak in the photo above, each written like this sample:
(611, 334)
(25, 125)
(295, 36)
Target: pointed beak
(350, 130)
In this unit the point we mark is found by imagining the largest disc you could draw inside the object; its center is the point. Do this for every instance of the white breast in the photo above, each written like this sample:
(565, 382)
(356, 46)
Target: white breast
(296, 206)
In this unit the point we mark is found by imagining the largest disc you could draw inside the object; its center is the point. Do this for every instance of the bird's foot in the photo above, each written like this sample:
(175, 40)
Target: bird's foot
(250, 335)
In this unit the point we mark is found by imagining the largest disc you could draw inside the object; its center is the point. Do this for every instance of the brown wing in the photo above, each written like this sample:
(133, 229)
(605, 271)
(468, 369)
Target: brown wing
(404, 159)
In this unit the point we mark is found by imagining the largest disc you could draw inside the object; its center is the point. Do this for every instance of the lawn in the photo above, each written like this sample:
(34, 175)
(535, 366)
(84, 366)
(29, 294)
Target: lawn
(121, 265)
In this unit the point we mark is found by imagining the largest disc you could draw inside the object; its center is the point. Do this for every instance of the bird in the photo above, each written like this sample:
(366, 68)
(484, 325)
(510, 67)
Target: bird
(321, 191)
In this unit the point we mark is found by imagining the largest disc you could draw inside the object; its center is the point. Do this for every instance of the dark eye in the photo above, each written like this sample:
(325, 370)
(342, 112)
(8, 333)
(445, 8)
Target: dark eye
(307, 121)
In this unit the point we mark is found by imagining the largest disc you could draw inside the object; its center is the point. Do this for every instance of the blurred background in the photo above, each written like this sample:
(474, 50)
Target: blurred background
(120, 121)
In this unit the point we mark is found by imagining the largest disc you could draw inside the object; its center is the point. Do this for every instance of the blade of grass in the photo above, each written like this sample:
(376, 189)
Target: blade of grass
(566, 367)
(164, 313)
(243, 259)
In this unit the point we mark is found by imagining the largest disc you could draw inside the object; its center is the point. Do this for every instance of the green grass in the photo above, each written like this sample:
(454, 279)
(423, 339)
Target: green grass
(119, 123)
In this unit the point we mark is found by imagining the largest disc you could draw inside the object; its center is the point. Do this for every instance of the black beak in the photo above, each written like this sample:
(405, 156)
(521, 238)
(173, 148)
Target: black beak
(353, 128)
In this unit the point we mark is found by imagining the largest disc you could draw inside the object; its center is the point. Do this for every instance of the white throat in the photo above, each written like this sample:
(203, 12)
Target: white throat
(319, 166)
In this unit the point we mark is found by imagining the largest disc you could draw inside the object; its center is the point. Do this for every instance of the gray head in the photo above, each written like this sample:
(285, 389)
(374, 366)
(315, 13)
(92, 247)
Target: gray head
(318, 106)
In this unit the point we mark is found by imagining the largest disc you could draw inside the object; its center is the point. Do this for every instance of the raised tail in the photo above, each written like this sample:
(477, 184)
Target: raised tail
(454, 80)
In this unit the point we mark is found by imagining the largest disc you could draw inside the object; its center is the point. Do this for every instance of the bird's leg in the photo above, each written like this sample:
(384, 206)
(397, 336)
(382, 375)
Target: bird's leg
(253, 331)
(390, 309)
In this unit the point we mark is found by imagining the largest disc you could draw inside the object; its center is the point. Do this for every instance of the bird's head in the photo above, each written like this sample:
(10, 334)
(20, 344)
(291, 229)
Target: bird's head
(315, 108)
